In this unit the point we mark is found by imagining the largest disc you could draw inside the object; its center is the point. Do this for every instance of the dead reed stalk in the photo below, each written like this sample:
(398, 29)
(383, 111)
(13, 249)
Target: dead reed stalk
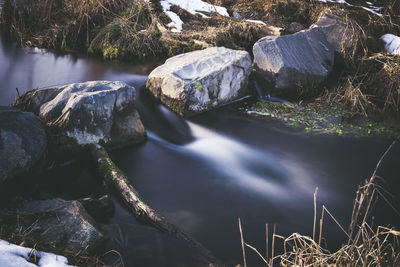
(365, 246)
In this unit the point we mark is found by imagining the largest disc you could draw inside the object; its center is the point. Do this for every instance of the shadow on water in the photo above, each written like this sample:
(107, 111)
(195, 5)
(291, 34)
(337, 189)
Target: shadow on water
(204, 173)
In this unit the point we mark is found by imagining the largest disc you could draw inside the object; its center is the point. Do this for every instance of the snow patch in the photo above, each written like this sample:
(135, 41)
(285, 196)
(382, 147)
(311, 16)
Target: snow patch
(193, 7)
(176, 22)
(256, 21)
(15, 256)
(392, 43)
(371, 8)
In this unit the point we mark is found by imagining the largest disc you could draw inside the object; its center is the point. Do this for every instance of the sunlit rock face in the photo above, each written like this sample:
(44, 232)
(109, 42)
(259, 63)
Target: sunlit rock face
(55, 223)
(92, 112)
(286, 62)
(22, 142)
(201, 80)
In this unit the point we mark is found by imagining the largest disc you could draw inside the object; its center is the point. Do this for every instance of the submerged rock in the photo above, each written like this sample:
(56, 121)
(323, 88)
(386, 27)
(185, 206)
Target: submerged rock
(100, 209)
(55, 223)
(91, 112)
(22, 142)
(200, 80)
(303, 59)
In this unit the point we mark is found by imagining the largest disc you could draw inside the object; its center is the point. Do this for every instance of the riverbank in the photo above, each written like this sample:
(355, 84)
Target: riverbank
(322, 117)
(364, 81)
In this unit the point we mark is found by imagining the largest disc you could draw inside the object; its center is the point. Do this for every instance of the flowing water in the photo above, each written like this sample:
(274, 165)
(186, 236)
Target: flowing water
(206, 172)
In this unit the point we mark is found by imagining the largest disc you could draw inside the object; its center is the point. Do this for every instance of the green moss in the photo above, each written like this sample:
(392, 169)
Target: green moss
(320, 117)
(199, 86)
(110, 53)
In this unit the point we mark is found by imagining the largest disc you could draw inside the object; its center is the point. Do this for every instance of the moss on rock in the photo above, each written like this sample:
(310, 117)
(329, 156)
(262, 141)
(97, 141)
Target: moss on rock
(322, 118)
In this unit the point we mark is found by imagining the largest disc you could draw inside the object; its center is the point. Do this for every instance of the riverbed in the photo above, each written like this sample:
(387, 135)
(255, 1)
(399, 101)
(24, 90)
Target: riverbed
(205, 172)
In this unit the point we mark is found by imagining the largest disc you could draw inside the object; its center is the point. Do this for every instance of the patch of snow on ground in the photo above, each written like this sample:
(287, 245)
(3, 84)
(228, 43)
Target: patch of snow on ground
(371, 8)
(15, 256)
(176, 22)
(256, 21)
(392, 43)
(193, 7)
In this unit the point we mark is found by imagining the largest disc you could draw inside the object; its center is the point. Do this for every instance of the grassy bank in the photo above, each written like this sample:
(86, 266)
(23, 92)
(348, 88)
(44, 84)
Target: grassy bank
(366, 80)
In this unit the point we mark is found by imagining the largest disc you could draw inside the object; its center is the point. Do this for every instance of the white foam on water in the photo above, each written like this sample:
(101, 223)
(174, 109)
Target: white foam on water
(233, 158)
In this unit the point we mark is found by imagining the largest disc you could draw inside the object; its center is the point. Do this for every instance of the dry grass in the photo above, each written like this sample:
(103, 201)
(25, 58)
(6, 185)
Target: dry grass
(14, 230)
(366, 246)
(128, 39)
(132, 34)
(58, 24)
(367, 83)
(369, 79)
(280, 12)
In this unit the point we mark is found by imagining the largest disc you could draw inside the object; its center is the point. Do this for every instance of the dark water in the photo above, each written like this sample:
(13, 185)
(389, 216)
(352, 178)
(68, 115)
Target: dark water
(206, 172)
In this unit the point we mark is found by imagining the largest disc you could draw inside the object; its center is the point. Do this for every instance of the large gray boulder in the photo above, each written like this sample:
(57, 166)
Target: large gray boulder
(303, 59)
(22, 142)
(201, 80)
(91, 112)
(339, 33)
(54, 223)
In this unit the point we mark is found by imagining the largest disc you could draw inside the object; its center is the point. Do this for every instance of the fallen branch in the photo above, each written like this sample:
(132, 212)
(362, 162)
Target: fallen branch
(119, 184)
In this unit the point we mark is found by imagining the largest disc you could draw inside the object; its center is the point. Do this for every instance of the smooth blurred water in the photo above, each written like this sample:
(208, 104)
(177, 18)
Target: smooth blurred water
(206, 172)
(256, 170)
(31, 68)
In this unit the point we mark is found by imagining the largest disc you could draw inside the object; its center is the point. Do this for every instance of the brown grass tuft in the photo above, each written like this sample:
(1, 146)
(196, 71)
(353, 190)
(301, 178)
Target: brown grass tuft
(58, 24)
(365, 247)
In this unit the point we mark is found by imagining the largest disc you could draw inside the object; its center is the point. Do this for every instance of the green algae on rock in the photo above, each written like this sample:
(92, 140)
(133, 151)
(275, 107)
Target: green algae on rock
(322, 118)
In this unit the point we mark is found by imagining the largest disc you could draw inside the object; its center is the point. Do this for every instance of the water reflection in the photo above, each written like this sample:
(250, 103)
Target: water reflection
(32, 68)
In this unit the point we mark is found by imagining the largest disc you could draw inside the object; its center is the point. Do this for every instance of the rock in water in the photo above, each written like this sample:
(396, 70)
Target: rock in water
(55, 223)
(287, 62)
(91, 112)
(22, 142)
(200, 80)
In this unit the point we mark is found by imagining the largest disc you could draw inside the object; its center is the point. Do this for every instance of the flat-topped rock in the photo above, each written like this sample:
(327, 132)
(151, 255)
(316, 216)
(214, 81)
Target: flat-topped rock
(22, 142)
(91, 112)
(201, 80)
(285, 63)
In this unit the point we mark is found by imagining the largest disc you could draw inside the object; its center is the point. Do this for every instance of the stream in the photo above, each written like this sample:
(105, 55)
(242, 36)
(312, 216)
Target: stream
(205, 172)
